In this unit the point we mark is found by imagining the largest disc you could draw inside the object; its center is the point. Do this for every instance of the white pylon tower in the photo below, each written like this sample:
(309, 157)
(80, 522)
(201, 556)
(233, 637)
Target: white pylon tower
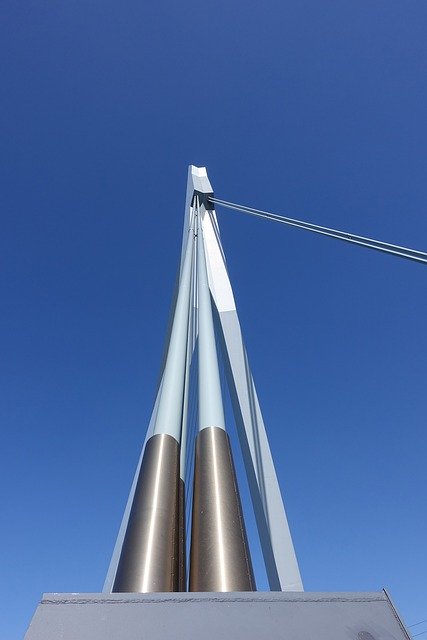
(149, 554)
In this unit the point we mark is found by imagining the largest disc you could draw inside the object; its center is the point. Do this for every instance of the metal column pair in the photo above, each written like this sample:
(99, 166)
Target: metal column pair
(152, 553)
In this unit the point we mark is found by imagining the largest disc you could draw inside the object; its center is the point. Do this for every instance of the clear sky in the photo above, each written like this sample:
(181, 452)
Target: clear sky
(310, 108)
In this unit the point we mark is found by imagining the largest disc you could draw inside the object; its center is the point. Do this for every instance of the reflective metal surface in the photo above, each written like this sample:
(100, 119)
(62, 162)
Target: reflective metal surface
(169, 413)
(211, 410)
(182, 542)
(220, 559)
(149, 557)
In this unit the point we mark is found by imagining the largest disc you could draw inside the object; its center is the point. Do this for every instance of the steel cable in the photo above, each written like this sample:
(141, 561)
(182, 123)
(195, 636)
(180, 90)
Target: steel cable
(370, 243)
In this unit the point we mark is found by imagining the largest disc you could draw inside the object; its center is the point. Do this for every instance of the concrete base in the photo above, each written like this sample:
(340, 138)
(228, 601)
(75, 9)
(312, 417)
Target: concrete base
(234, 616)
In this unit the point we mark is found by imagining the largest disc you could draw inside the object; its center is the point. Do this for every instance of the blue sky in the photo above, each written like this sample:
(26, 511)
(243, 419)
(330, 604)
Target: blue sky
(311, 109)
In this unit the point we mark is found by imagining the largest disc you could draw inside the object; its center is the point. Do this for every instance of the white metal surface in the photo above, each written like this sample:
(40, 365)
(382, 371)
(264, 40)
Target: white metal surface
(275, 537)
(213, 616)
(211, 411)
(191, 340)
(169, 414)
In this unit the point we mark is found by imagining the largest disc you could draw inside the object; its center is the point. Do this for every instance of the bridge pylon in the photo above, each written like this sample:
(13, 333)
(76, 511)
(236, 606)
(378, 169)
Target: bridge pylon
(147, 592)
(205, 305)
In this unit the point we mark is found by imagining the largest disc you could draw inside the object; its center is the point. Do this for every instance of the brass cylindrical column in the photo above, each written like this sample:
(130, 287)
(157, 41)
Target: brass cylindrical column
(149, 557)
(220, 559)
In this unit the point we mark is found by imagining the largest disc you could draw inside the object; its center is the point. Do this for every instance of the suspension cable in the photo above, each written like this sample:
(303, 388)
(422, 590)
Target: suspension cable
(370, 243)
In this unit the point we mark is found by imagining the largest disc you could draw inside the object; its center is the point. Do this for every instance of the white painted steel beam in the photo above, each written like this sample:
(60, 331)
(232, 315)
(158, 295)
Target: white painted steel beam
(211, 410)
(191, 340)
(169, 414)
(275, 537)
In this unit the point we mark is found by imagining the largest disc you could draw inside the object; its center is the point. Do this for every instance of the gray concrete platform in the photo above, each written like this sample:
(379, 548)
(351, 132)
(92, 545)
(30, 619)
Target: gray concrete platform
(234, 616)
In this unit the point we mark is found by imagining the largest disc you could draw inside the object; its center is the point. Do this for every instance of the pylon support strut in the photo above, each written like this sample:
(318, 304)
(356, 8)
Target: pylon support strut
(149, 557)
(220, 558)
(170, 417)
(276, 542)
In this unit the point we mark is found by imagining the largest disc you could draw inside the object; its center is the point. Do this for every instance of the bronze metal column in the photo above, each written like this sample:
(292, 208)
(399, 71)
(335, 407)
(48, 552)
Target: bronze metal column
(149, 557)
(220, 559)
